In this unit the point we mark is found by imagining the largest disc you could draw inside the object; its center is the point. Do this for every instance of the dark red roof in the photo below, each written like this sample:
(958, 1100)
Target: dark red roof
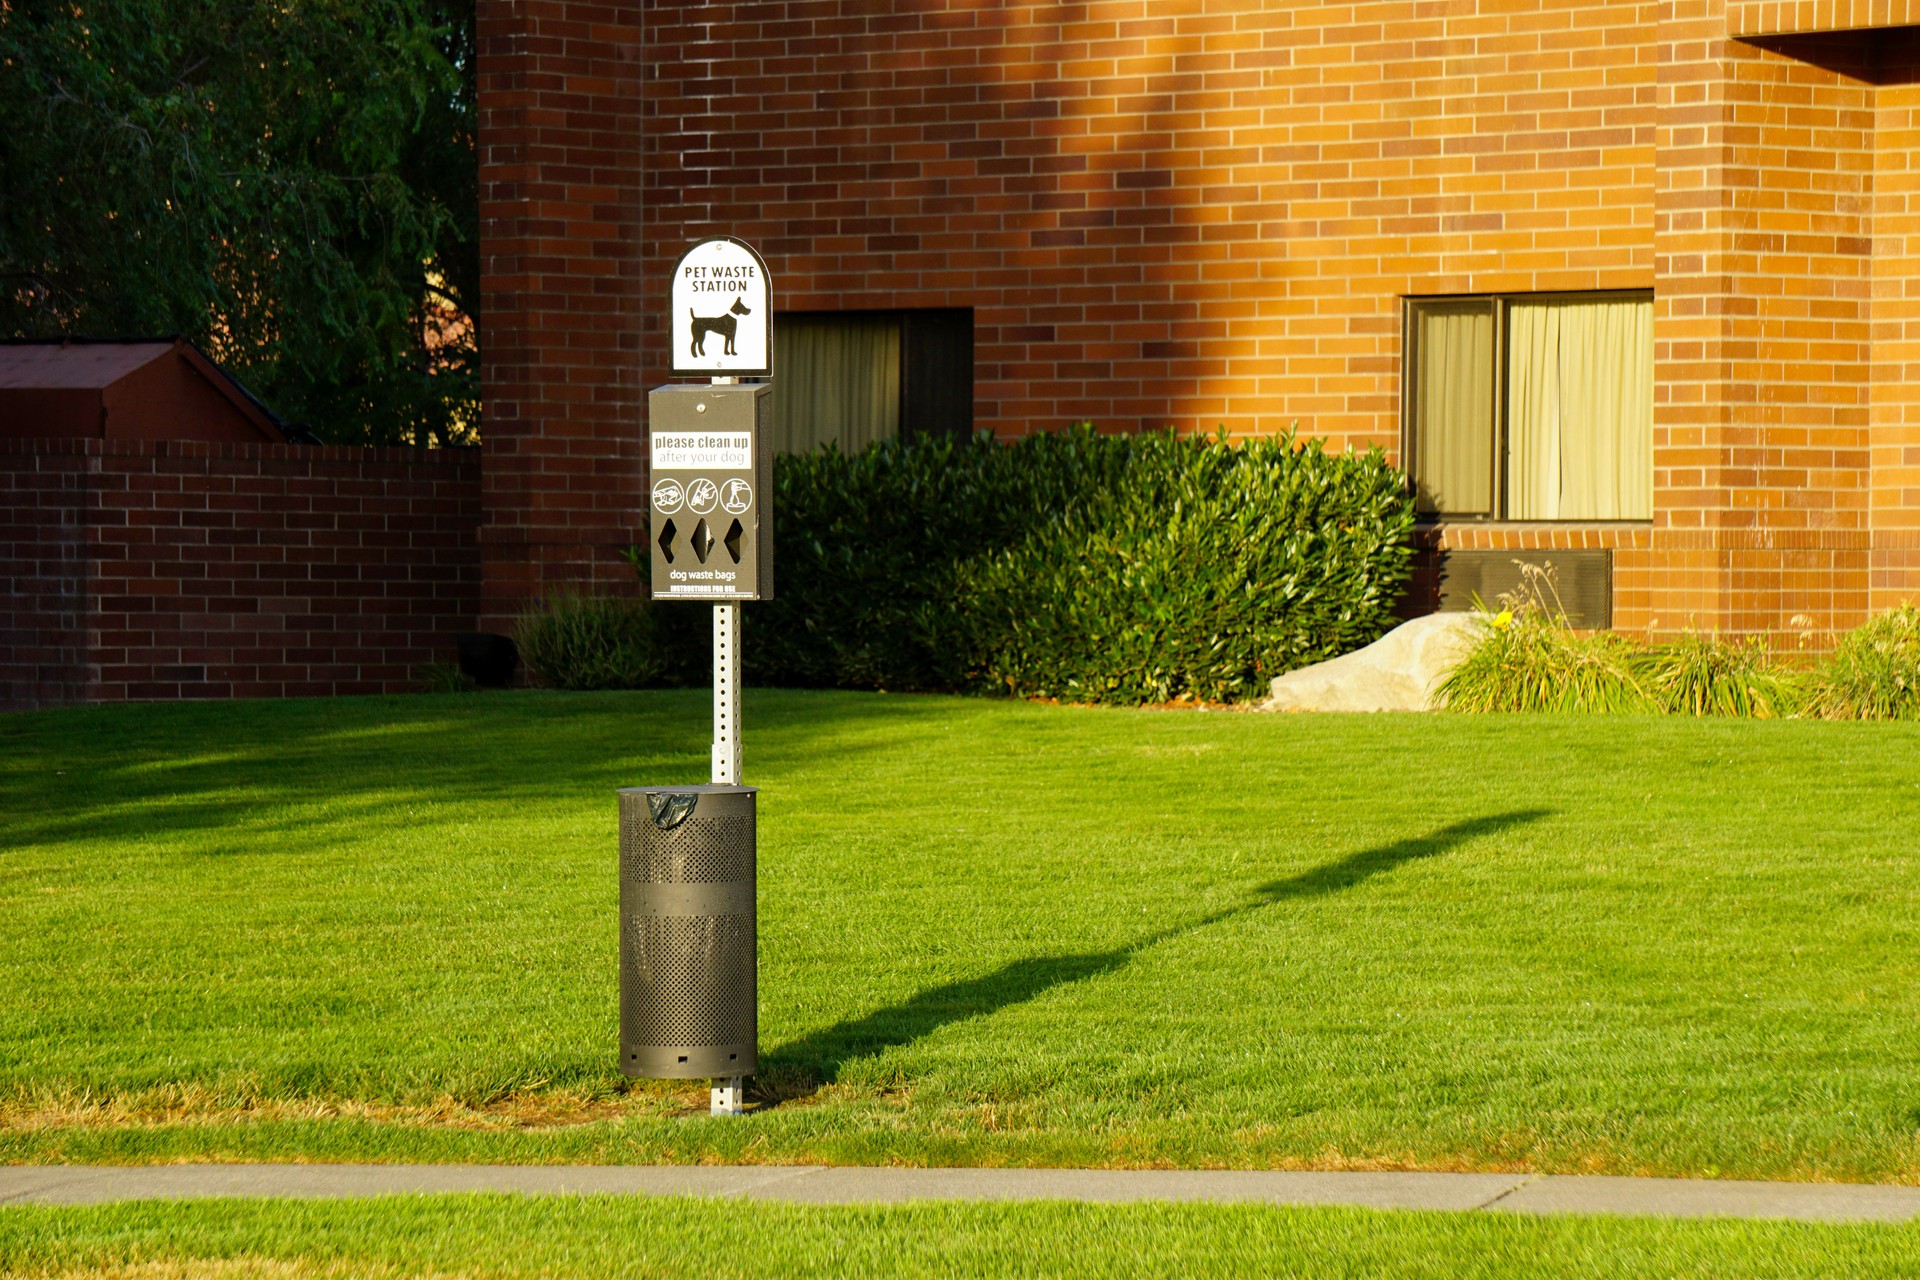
(164, 389)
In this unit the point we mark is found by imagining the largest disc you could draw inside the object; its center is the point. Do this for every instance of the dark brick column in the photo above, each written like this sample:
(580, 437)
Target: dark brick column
(560, 86)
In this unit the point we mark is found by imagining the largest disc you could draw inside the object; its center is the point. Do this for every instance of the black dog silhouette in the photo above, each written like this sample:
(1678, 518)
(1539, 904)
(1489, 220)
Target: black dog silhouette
(723, 324)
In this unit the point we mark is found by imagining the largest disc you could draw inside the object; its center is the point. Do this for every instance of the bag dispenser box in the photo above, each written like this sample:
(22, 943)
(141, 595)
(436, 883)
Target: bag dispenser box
(710, 517)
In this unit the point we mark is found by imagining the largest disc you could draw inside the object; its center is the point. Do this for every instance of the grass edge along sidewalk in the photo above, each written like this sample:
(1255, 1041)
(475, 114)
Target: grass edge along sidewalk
(509, 1235)
(822, 1184)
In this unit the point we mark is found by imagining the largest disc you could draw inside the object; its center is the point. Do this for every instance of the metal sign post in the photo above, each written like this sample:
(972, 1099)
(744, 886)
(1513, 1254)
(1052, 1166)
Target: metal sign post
(726, 693)
(689, 923)
(726, 680)
(727, 1095)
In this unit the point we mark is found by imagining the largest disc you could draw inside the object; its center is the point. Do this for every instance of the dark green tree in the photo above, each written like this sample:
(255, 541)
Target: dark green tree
(291, 185)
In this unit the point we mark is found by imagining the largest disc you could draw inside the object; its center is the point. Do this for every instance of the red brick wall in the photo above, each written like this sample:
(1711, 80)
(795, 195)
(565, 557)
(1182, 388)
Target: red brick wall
(1199, 212)
(156, 571)
(1781, 17)
(42, 576)
(1208, 212)
(1894, 435)
(560, 89)
(1764, 351)
(1202, 212)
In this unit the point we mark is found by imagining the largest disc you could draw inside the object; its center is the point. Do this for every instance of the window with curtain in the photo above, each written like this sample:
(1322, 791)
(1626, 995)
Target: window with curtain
(836, 380)
(1531, 406)
(849, 378)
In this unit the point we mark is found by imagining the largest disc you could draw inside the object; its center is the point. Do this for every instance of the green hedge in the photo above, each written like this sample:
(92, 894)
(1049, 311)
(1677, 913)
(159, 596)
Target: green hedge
(872, 552)
(1098, 568)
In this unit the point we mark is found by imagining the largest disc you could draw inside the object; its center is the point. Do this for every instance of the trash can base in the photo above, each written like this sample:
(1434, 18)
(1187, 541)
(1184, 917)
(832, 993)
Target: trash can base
(687, 1062)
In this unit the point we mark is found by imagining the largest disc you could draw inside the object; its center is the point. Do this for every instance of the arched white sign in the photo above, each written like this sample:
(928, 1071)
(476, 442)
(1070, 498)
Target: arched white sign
(722, 312)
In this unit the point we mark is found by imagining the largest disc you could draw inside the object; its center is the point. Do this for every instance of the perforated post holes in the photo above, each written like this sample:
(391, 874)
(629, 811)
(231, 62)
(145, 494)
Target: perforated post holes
(710, 509)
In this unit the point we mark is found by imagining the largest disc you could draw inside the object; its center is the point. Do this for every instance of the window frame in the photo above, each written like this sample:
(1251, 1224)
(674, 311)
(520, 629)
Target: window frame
(1501, 303)
(922, 329)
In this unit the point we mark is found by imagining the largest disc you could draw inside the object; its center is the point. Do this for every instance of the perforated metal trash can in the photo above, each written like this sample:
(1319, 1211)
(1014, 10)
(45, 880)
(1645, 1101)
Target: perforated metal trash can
(689, 971)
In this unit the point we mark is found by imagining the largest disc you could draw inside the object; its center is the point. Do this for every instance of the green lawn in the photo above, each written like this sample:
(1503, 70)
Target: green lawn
(990, 933)
(502, 1236)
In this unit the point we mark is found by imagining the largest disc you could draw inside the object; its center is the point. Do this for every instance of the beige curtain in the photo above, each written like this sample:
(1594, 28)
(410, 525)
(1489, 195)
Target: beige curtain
(835, 379)
(1580, 409)
(1453, 407)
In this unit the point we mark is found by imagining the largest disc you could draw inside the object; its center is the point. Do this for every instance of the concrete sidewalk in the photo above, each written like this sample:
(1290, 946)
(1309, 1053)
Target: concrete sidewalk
(1499, 1193)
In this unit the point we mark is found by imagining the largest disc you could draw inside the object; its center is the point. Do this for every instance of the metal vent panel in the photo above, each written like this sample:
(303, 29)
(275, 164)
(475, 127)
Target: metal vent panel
(688, 926)
(698, 851)
(691, 981)
(1583, 581)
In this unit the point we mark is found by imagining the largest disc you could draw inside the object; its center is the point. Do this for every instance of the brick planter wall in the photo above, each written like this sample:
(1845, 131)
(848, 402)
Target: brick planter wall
(136, 571)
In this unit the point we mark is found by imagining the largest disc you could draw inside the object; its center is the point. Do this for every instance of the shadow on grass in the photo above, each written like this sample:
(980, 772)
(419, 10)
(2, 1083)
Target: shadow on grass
(237, 775)
(798, 1069)
(1336, 877)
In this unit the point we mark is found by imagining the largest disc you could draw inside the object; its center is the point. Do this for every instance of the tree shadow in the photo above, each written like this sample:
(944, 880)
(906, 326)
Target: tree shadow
(238, 773)
(800, 1068)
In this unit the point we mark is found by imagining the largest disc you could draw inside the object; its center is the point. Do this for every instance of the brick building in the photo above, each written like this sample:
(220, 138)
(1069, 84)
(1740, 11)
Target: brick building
(1639, 279)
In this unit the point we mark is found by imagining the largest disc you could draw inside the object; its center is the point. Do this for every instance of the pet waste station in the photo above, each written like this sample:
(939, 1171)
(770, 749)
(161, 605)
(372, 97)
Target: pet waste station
(689, 924)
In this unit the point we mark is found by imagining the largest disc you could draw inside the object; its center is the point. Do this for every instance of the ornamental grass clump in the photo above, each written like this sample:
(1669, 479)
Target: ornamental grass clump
(1874, 673)
(573, 640)
(1530, 659)
(1707, 676)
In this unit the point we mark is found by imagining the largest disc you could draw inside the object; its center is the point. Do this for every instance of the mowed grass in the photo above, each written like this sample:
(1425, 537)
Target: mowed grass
(501, 1236)
(991, 933)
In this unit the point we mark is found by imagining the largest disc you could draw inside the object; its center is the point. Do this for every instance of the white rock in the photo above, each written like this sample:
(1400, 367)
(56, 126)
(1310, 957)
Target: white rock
(1397, 672)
